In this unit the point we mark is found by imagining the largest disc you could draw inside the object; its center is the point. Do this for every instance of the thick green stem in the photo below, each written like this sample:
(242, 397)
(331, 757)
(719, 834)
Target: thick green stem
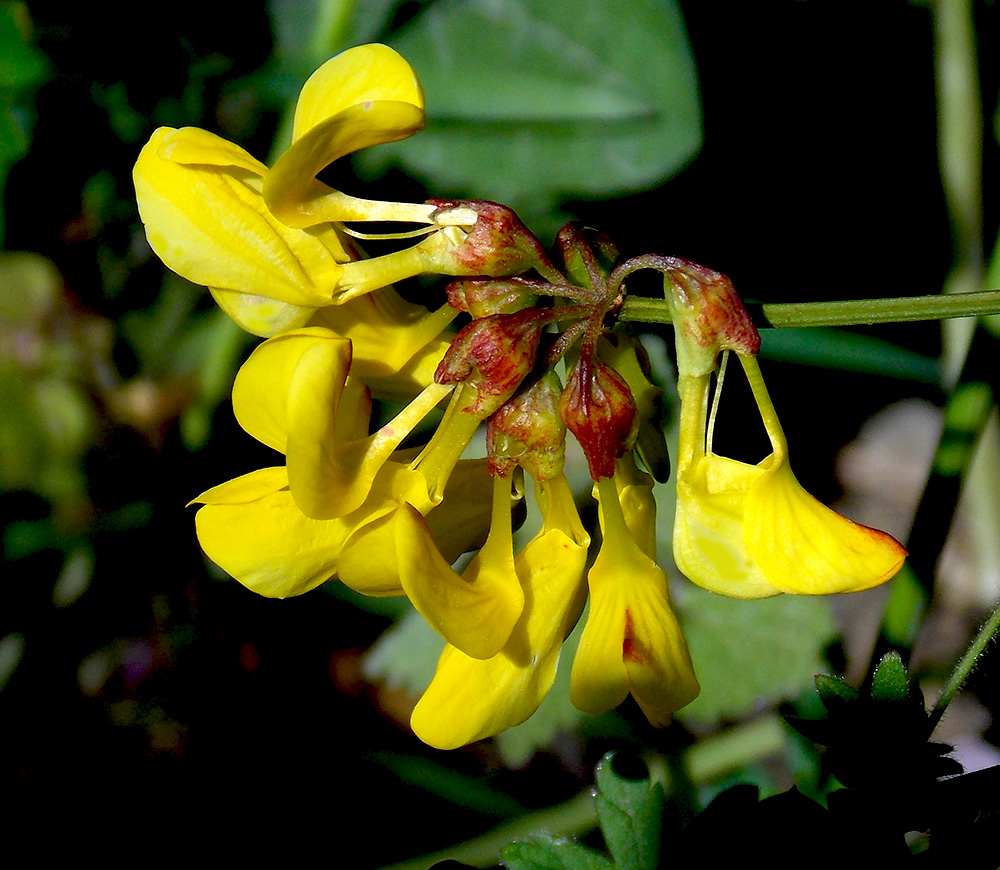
(855, 312)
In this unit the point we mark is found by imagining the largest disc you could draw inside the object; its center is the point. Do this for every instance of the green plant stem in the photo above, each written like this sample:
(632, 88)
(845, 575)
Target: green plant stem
(855, 312)
(966, 665)
(572, 818)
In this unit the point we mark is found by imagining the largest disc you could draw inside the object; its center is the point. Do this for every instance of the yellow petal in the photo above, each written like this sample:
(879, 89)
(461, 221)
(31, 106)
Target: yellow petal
(470, 699)
(362, 73)
(387, 332)
(632, 641)
(261, 388)
(330, 475)
(266, 542)
(708, 542)
(804, 547)
(291, 190)
(208, 222)
(461, 522)
(260, 315)
(477, 610)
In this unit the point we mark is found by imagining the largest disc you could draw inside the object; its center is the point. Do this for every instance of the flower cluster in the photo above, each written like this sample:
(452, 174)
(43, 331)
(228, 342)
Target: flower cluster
(364, 498)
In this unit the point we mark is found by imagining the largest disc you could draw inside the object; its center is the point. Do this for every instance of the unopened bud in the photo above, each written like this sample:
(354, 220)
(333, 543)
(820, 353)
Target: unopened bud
(482, 297)
(708, 310)
(493, 354)
(598, 408)
(528, 431)
(498, 243)
(580, 244)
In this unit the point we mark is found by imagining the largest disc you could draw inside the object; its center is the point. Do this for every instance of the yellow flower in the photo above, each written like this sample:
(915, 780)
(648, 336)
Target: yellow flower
(752, 531)
(282, 531)
(632, 642)
(264, 241)
(472, 698)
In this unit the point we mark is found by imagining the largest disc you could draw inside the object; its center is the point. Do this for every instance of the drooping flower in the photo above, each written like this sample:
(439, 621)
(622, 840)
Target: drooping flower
(632, 642)
(742, 530)
(471, 698)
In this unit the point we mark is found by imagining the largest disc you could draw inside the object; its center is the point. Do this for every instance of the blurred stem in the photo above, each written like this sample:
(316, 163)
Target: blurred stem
(855, 312)
(572, 818)
(960, 159)
(966, 666)
(330, 29)
(707, 760)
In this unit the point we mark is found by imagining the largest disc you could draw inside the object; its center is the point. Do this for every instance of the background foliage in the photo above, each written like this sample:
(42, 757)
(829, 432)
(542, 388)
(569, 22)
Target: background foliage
(149, 702)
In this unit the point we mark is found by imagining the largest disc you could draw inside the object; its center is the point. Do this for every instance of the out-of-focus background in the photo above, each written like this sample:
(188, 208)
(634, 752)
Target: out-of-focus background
(151, 704)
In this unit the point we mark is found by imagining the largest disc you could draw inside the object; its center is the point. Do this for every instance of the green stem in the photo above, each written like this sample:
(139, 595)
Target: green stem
(572, 818)
(855, 312)
(966, 665)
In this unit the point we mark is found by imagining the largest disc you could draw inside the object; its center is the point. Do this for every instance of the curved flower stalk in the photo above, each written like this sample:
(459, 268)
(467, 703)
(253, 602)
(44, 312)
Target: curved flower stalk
(752, 531)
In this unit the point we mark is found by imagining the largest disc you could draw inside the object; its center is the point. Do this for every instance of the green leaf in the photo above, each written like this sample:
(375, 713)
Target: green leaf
(533, 101)
(405, 656)
(630, 811)
(748, 652)
(847, 351)
(550, 853)
(22, 66)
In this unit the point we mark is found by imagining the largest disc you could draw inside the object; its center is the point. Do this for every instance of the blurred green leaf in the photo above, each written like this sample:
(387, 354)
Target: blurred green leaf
(847, 351)
(553, 853)
(533, 101)
(752, 652)
(11, 653)
(405, 656)
(22, 65)
(22, 69)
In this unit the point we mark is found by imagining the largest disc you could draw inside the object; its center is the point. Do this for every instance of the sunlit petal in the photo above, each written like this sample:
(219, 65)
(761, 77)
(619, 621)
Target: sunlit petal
(208, 222)
(266, 542)
(359, 74)
(474, 611)
(804, 547)
(261, 388)
(291, 190)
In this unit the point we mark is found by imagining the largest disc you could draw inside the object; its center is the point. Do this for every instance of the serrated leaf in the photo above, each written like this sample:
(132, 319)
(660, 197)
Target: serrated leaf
(531, 101)
(630, 812)
(550, 853)
(749, 652)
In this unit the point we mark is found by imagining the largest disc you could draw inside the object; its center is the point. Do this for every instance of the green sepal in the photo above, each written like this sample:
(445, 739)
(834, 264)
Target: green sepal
(890, 681)
(552, 853)
(835, 692)
(630, 811)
